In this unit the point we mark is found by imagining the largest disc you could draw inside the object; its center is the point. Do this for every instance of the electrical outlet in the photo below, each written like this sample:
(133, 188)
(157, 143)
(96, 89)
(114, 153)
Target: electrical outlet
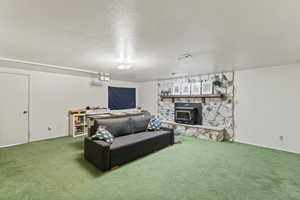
(281, 138)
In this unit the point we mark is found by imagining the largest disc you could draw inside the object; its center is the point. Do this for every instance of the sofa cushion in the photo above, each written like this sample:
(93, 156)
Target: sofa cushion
(135, 138)
(140, 123)
(103, 134)
(116, 126)
(133, 146)
(154, 124)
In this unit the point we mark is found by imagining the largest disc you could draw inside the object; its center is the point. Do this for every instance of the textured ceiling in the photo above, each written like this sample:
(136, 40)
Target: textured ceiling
(150, 34)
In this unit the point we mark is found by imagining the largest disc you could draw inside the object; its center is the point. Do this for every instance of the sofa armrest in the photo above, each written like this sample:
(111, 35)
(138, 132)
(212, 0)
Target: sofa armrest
(97, 152)
(171, 130)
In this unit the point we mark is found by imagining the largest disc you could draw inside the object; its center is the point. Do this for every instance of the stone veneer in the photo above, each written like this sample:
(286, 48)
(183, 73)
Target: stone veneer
(216, 112)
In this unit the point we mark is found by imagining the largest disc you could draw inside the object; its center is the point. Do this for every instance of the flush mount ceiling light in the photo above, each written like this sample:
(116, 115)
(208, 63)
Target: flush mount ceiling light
(124, 66)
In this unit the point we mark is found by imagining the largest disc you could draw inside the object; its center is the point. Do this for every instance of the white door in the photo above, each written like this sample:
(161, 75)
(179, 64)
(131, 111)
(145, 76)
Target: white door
(13, 109)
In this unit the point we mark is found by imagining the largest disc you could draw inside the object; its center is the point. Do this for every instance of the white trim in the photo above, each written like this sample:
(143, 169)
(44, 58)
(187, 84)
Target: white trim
(9, 145)
(48, 138)
(83, 134)
(29, 108)
(263, 146)
(48, 65)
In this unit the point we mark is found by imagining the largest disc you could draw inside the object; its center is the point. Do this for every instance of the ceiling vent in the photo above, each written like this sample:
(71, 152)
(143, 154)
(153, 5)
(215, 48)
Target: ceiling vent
(184, 56)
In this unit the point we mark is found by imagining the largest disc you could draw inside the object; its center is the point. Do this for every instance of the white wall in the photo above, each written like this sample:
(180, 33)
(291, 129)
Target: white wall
(53, 95)
(267, 107)
(148, 96)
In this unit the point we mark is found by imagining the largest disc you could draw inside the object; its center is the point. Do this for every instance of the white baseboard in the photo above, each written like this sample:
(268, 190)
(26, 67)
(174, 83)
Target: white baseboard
(10, 145)
(40, 139)
(47, 138)
(267, 147)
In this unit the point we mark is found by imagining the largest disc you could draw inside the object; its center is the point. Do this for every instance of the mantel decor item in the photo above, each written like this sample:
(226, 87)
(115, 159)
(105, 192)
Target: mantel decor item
(163, 93)
(196, 88)
(166, 92)
(186, 89)
(170, 90)
(207, 87)
(217, 83)
(176, 89)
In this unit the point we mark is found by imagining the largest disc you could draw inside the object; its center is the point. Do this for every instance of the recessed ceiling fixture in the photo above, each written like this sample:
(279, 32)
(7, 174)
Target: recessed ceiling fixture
(124, 66)
(184, 56)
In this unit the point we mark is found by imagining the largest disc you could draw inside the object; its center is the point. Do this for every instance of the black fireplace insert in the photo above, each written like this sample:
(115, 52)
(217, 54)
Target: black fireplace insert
(188, 113)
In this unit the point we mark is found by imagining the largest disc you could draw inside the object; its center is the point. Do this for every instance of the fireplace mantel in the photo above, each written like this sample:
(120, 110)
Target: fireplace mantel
(203, 97)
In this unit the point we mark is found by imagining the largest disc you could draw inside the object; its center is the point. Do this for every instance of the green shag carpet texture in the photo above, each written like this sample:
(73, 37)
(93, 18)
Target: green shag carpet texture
(194, 169)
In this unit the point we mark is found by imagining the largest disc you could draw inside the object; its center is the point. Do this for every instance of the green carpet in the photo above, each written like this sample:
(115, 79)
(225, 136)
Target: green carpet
(195, 169)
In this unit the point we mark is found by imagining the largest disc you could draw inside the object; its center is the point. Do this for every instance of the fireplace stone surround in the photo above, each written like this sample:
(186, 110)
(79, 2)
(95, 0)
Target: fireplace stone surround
(217, 113)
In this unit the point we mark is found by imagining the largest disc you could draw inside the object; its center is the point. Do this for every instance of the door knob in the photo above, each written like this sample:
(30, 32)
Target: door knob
(25, 112)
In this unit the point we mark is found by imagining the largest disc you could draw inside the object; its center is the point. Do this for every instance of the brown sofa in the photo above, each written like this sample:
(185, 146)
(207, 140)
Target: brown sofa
(131, 141)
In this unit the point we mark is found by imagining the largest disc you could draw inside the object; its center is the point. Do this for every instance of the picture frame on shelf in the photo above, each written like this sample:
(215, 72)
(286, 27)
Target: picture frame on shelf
(207, 87)
(176, 89)
(165, 91)
(169, 90)
(196, 88)
(186, 89)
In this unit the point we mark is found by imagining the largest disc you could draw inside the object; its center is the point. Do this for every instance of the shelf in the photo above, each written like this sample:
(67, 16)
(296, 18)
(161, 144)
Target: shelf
(82, 124)
(77, 112)
(203, 97)
(77, 123)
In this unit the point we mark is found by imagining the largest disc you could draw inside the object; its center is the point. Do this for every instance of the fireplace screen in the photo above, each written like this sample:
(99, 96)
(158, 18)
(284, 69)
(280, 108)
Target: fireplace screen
(188, 113)
(183, 115)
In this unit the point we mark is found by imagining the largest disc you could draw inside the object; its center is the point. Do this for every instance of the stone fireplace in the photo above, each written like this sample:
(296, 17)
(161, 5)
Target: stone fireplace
(216, 112)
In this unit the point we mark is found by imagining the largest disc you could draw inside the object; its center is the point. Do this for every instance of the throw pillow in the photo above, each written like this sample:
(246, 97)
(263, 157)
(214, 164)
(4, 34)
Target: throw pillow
(154, 124)
(103, 134)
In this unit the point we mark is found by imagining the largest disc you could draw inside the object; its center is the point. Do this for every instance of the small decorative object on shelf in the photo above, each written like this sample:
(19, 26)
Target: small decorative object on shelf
(217, 83)
(139, 109)
(207, 87)
(176, 89)
(169, 91)
(186, 89)
(97, 110)
(165, 92)
(196, 88)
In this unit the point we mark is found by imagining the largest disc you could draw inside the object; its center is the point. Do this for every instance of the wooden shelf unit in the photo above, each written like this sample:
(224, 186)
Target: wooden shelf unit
(78, 124)
(203, 97)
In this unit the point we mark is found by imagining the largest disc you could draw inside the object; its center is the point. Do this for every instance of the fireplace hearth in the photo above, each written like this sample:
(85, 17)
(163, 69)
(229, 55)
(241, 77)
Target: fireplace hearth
(188, 113)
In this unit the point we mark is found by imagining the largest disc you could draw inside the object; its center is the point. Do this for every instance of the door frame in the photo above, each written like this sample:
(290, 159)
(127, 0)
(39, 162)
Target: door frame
(28, 104)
